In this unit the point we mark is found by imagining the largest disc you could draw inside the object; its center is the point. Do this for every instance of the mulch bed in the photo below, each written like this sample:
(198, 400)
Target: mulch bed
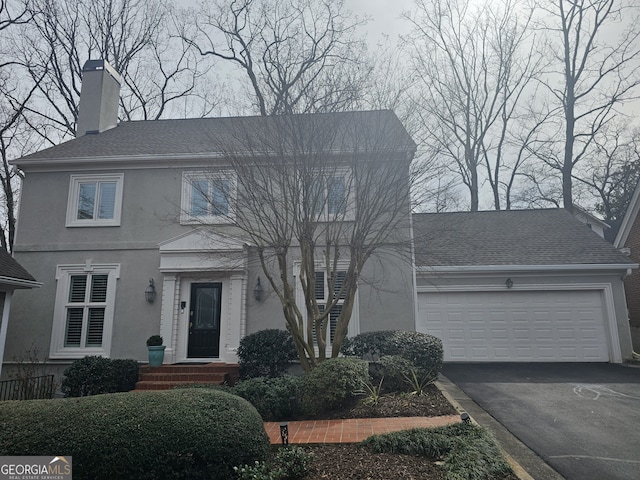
(353, 462)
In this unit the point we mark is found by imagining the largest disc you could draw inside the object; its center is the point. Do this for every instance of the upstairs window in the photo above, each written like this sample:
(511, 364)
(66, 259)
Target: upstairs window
(206, 197)
(330, 197)
(94, 200)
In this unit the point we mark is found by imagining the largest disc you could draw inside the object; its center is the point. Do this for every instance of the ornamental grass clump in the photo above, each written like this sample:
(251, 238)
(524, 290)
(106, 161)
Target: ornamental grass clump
(186, 433)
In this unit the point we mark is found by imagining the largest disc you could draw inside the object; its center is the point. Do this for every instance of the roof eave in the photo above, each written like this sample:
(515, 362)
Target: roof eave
(440, 269)
(172, 158)
(19, 282)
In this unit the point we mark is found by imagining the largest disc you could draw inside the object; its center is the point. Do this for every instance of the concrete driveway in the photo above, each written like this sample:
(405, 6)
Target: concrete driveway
(582, 419)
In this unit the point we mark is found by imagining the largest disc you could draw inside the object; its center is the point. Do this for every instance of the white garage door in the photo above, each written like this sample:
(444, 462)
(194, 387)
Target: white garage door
(555, 326)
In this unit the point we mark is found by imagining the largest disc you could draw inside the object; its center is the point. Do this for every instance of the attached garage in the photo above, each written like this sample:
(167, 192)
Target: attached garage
(520, 286)
(516, 326)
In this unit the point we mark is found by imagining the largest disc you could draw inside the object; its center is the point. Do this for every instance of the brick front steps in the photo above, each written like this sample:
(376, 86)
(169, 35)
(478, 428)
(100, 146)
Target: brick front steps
(166, 377)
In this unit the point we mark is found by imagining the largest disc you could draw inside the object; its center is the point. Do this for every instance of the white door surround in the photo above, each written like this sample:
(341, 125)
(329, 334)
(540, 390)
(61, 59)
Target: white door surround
(202, 257)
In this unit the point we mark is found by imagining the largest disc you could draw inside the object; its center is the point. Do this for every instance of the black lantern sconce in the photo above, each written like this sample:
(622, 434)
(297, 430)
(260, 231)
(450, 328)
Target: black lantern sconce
(257, 292)
(150, 292)
(509, 283)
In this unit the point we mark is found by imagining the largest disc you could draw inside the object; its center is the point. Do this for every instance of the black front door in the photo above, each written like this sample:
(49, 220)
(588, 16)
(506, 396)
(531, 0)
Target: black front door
(204, 320)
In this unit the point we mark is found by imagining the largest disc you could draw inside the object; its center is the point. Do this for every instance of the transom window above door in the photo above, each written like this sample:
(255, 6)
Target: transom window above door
(95, 200)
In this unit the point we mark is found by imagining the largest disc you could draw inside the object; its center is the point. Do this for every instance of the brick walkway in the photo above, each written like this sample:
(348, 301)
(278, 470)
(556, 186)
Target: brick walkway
(352, 430)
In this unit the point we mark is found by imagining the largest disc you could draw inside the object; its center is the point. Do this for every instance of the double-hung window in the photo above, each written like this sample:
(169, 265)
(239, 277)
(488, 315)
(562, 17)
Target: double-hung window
(95, 200)
(83, 314)
(323, 298)
(330, 196)
(207, 197)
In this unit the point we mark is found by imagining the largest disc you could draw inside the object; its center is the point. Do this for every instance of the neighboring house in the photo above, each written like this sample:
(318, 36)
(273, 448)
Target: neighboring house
(628, 240)
(593, 222)
(127, 210)
(531, 285)
(12, 276)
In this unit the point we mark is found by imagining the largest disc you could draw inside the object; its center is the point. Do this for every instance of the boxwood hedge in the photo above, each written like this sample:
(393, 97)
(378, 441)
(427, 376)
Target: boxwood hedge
(332, 384)
(266, 353)
(423, 350)
(188, 433)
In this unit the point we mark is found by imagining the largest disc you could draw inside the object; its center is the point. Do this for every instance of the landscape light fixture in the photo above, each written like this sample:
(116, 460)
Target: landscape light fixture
(465, 418)
(150, 292)
(509, 283)
(284, 433)
(257, 292)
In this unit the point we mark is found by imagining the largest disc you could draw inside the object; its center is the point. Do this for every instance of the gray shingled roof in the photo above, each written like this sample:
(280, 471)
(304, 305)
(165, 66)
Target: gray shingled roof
(341, 131)
(9, 268)
(514, 237)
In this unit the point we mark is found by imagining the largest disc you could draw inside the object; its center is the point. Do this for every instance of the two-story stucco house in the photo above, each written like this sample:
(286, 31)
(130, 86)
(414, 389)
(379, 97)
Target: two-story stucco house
(127, 227)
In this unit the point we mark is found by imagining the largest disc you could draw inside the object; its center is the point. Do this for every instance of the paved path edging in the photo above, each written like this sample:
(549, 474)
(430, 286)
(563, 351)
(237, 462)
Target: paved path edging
(351, 430)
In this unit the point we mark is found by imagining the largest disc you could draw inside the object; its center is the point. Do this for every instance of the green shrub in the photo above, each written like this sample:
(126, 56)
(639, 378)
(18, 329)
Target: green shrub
(96, 375)
(291, 463)
(274, 398)
(368, 345)
(154, 341)
(267, 353)
(186, 434)
(423, 350)
(394, 369)
(469, 451)
(332, 384)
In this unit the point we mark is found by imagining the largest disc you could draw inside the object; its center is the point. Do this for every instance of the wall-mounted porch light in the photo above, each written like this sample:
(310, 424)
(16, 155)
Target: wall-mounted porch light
(257, 292)
(150, 292)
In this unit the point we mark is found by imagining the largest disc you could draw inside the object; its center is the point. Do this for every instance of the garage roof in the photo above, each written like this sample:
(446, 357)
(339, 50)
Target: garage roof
(512, 237)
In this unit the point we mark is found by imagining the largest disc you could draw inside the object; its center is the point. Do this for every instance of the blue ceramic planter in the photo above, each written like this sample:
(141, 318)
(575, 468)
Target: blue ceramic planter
(156, 355)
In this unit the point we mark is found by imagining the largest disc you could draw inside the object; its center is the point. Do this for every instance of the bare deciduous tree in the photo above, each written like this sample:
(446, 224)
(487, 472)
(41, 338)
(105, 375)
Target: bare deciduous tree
(612, 171)
(317, 197)
(595, 45)
(294, 56)
(471, 64)
(14, 99)
(134, 36)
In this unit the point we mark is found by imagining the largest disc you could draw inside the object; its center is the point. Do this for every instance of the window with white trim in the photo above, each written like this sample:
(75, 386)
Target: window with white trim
(322, 296)
(331, 196)
(207, 197)
(83, 314)
(95, 200)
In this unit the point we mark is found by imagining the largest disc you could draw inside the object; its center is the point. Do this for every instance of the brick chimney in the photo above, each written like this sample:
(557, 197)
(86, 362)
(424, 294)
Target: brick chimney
(99, 98)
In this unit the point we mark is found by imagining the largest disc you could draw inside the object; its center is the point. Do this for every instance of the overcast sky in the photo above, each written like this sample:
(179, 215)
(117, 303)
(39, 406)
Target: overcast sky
(385, 17)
